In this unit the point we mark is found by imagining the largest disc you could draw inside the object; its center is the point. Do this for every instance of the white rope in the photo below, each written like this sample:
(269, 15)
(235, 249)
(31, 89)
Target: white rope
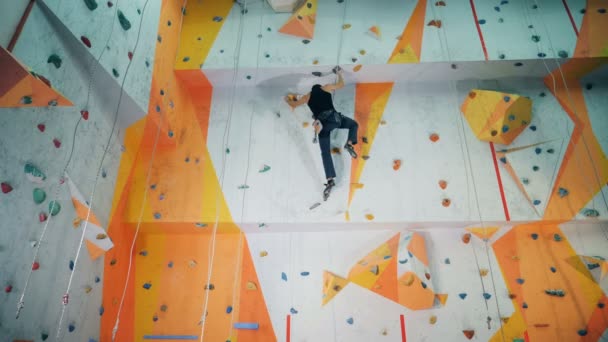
(225, 139)
(73, 271)
(21, 303)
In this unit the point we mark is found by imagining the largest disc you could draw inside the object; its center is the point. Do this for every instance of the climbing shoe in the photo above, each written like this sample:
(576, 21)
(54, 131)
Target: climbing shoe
(351, 150)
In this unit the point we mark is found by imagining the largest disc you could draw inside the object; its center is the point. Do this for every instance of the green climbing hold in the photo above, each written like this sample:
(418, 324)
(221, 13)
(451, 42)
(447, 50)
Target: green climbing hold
(91, 4)
(115, 73)
(54, 208)
(56, 60)
(26, 100)
(39, 195)
(124, 22)
(33, 173)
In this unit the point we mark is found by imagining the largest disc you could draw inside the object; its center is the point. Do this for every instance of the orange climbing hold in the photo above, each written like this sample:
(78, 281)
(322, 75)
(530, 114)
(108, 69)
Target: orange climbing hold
(357, 67)
(469, 333)
(446, 202)
(396, 164)
(434, 137)
(443, 184)
(436, 23)
(305, 124)
(369, 217)
(375, 31)
(466, 238)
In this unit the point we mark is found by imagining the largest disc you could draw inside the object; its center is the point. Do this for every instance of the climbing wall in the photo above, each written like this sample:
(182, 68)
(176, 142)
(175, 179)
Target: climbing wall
(55, 155)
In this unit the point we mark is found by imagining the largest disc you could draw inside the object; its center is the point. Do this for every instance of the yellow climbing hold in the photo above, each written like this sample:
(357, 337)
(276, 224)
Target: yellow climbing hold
(357, 67)
(263, 254)
(88, 289)
(369, 217)
(101, 236)
(408, 280)
(346, 26)
(251, 286)
(483, 272)
(76, 222)
(362, 52)
(305, 124)
(433, 319)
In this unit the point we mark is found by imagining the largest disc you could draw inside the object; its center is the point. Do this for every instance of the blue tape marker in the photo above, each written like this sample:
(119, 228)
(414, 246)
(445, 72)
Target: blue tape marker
(246, 326)
(170, 337)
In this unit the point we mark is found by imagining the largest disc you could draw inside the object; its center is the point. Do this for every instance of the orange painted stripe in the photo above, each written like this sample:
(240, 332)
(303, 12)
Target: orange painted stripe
(288, 337)
(500, 187)
(483, 43)
(403, 338)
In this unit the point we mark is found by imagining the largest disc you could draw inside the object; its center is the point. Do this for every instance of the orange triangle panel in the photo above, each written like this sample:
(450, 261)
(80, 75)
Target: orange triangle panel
(386, 285)
(332, 285)
(409, 46)
(484, 233)
(302, 22)
(94, 251)
(418, 248)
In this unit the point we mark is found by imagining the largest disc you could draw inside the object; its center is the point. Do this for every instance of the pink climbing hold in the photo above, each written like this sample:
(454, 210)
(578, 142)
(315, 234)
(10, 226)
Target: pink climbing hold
(41, 127)
(42, 217)
(6, 188)
(86, 41)
(35, 266)
(8, 289)
(57, 143)
(84, 114)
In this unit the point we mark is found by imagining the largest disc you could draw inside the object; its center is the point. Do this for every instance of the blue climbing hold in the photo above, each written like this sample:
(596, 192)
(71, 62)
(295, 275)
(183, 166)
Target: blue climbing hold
(503, 160)
(217, 19)
(294, 311)
(536, 202)
(511, 117)
(505, 129)
(101, 310)
(525, 181)
(71, 327)
(550, 151)
(519, 281)
(553, 269)
(284, 276)
(228, 309)
(462, 295)
(409, 253)
(92, 339)
(170, 264)
(601, 305)
(535, 168)
(386, 257)
(481, 21)
(350, 320)
(147, 286)
(507, 98)
(152, 186)
(157, 216)
(542, 55)
(534, 236)
(447, 261)
(538, 150)
(525, 305)
(403, 261)
(593, 266)
(497, 9)
(487, 296)
(557, 237)
(305, 274)
(158, 109)
(170, 134)
(562, 192)
(582, 332)
(71, 265)
(423, 284)
(504, 2)
(533, 128)
(97, 279)
(588, 212)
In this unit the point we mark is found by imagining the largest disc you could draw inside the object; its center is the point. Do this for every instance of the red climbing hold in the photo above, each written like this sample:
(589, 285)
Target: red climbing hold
(396, 164)
(6, 188)
(42, 217)
(86, 41)
(41, 127)
(8, 289)
(130, 54)
(57, 143)
(446, 202)
(84, 114)
(466, 238)
(427, 276)
(35, 266)
(469, 333)
(443, 184)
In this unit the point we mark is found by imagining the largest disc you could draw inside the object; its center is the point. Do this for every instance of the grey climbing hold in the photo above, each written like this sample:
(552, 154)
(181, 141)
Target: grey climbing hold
(243, 187)
(525, 181)
(305, 41)
(314, 205)
(91, 4)
(55, 60)
(124, 22)
(39, 195)
(54, 208)
(293, 311)
(217, 19)
(447, 261)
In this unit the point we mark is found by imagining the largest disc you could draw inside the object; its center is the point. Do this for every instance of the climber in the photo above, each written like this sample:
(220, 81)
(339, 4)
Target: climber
(326, 118)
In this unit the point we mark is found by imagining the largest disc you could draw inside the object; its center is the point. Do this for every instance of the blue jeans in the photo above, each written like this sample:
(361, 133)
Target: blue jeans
(324, 141)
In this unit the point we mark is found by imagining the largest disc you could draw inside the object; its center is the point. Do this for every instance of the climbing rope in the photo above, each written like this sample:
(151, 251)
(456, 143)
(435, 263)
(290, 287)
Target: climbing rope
(92, 70)
(92, 196)
(225, 139)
